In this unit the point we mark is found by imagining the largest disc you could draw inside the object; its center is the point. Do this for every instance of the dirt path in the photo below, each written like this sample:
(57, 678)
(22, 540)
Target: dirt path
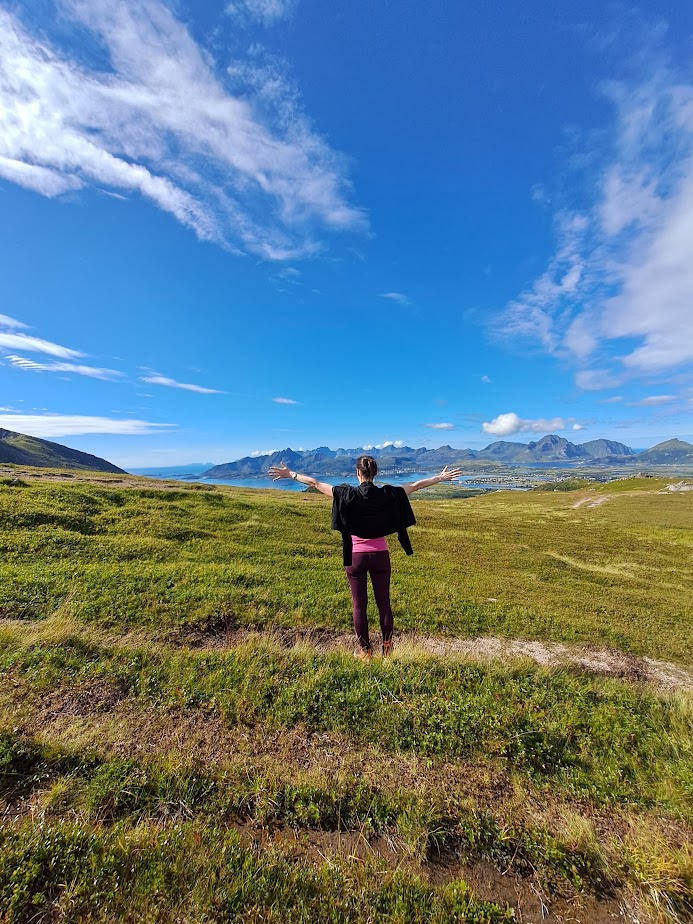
(608, 662)
(591, 501)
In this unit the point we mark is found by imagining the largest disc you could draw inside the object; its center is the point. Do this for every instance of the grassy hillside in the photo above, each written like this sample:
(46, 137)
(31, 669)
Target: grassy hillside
(158, 764)
(20, 449)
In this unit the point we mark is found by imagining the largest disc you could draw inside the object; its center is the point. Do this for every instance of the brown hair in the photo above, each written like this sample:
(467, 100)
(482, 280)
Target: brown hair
(367, 466)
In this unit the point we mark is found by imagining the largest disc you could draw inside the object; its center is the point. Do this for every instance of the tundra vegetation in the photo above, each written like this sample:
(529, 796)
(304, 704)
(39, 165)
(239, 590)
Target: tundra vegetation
(184, 735)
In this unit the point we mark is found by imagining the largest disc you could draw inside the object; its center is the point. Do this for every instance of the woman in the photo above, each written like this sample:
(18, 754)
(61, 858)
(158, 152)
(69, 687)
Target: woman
(368, 556)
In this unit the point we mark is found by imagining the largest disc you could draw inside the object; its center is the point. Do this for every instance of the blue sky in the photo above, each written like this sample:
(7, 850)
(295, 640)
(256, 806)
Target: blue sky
(230, 227)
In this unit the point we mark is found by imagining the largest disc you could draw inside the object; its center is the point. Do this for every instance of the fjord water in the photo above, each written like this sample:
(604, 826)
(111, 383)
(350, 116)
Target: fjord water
(286, 483)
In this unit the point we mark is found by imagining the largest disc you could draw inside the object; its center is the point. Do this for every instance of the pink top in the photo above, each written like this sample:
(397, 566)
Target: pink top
(368, 545)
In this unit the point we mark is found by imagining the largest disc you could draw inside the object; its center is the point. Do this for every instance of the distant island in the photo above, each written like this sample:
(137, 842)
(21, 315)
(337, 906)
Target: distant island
(402, 460)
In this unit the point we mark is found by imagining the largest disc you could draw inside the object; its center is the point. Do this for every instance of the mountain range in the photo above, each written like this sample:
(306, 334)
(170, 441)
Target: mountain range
(19, 449)
(551, 448)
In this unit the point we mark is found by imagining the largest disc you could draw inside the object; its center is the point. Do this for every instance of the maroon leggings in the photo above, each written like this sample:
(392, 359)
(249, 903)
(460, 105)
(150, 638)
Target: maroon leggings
(377, 564)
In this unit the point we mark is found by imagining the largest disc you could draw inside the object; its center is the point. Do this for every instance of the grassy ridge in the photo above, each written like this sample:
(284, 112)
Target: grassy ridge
(579, 786)
(22, 450)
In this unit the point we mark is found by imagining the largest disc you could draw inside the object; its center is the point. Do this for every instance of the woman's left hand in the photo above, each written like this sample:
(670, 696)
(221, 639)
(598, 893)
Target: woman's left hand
(279, 471)
(450, 475)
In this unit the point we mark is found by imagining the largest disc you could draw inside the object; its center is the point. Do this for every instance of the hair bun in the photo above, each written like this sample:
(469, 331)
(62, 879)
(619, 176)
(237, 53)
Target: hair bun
(367, 466)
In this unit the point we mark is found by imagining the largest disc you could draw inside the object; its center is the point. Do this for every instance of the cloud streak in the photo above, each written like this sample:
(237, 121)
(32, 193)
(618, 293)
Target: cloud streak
(93, 372)
(52, 425)
(11, 323)
(284, 401)
(398, 297)
(440, 426)
(653, 401)
(234, 160)
(171, 383)
(36, 345)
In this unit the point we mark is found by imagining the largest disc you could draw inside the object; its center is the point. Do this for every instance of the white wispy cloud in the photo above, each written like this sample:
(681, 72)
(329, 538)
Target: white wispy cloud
(171, 383)
(31, 344)
(653, 401)
(486, 380)
(11, 323)
(50, 425)
(532, 314)
(36, 345)
(507, 424)
(235, 160)
(264, 11)
(538, 193)
(398, 297)
(622, 269)
(597, 379)
(284, 401)
(440, 426)
(93, 372)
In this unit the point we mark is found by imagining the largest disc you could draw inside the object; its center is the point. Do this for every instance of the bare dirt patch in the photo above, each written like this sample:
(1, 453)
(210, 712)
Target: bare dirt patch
(530, 904)
(609, 662)
(87, 699)
(486, 882)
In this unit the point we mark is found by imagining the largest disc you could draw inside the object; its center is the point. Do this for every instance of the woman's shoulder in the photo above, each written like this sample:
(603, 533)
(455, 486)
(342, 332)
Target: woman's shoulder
(392, 489)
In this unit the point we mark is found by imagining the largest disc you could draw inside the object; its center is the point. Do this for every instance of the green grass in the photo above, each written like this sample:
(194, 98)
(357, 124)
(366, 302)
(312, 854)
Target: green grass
(191, 875)
(616, 575)
(578, 786)
(108, 792)
(568, 484)
(591, 738)
(25, 451)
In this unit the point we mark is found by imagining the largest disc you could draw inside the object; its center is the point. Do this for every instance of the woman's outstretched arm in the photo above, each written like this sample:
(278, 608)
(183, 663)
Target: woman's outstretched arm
(282, 471)
(445, 475)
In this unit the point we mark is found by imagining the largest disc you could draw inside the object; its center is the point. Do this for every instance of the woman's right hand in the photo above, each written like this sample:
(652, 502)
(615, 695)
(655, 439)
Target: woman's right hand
(279, 471)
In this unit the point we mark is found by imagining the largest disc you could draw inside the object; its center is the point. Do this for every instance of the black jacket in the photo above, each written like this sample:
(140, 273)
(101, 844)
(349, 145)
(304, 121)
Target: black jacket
(370, 512)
